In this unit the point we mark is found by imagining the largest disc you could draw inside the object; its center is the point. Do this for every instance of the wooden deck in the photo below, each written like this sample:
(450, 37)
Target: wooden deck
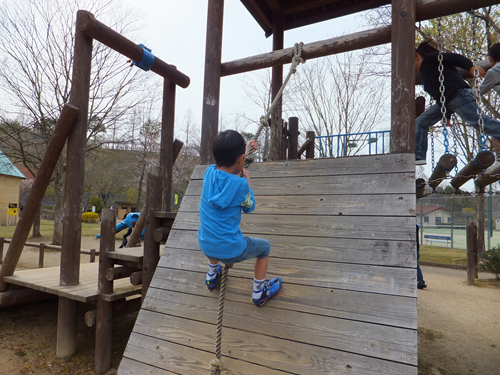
(343, 241)
(47, 280)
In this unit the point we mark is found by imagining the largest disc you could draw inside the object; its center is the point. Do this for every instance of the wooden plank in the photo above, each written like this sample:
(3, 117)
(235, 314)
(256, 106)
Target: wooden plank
(184, 360)
(365, 205)
(390, 343)
(355, 227)
(396, 183)
(365, 307)
(47, 280)
(131, 254)
(362, 251)
(285, 355)
(375, 279)
(132, 367)
(373, 164)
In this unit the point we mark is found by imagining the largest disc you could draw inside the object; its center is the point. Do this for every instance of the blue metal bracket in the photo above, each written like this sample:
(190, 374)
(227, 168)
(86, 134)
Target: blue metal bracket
(147, 59)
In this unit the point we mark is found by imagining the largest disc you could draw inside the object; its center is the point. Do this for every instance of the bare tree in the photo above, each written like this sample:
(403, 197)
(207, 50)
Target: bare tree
(36, 49)
(339, 94)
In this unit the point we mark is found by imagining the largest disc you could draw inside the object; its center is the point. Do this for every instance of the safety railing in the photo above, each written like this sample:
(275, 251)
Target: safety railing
(350, 144)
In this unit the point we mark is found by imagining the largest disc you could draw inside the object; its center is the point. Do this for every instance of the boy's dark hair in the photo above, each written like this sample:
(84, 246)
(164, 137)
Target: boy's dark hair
(494, 52)
(426, 47)
(227, 147)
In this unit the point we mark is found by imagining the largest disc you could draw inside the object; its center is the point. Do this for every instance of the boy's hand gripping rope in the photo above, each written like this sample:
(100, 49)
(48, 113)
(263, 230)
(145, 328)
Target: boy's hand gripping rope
(296, 61)
(216, 363)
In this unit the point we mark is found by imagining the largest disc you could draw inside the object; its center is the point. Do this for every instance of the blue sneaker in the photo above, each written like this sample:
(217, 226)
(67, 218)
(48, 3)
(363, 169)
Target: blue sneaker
(269, 290)
(211, 284)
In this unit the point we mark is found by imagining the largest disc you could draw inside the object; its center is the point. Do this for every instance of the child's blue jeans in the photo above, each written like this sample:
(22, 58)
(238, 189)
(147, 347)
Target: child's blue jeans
(464, 104)
(256, 248)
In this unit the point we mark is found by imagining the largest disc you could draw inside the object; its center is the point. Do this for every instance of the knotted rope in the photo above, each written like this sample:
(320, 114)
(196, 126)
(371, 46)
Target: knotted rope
(216, 363)
(296, 61)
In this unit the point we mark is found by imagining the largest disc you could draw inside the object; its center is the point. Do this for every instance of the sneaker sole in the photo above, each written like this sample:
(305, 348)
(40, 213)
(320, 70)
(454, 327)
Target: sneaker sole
(263, 303)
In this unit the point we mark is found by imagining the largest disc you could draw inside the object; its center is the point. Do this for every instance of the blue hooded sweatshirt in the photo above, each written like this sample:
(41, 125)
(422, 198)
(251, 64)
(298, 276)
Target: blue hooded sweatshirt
(223, 198)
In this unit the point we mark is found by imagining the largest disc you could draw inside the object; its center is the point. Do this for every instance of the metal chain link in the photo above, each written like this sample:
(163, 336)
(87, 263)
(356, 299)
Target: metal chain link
(432, 148)
(442, 98)
(477, 81)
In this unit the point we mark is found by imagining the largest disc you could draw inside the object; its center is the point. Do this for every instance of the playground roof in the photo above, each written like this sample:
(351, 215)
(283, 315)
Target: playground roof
(428, 209)
(305, 12)
(8, 168)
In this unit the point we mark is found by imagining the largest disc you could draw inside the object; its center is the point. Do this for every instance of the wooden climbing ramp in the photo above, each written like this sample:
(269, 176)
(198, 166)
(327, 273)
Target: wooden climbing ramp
(342, 233)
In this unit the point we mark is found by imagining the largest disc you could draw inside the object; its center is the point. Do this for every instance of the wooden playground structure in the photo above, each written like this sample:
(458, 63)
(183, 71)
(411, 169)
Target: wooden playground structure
(342, 230)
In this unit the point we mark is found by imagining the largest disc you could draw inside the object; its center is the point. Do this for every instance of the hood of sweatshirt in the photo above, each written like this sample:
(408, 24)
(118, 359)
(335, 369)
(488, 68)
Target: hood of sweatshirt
(222, 187)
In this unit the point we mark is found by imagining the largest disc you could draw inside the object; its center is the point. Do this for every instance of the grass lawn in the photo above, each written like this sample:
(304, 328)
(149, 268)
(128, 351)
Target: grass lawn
(47, 227)
(443, 255)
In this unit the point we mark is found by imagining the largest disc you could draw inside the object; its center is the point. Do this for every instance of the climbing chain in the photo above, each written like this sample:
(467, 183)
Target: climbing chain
(442, 98)
(477, 81)
(432, 149)
(216, 363)
(296, 61)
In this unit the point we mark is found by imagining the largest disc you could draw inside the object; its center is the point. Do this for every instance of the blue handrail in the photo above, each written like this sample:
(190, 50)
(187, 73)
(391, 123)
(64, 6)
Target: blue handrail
(354, 140)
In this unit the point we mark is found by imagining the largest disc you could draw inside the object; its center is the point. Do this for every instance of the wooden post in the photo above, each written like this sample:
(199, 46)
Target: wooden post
(37, 192)
(276, 83)
(92, 256)
(403, 77)
(481, 220)
(73, 194)
(1, 249)
(167, 141)
(211, 89)
(66, 327)
(75, 160)
(105, 286)
(41, 255)
(471, 253)
(310, 148)
(139, 226)
(87, 23)
(284, 139)
(151, 247)
(293, 138)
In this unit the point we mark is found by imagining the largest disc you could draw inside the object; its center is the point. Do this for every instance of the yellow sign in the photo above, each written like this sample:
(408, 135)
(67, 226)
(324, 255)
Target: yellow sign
(12, 209)
(176, 199)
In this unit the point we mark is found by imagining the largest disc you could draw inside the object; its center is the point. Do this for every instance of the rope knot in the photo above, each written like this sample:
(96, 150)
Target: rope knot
(215, 366)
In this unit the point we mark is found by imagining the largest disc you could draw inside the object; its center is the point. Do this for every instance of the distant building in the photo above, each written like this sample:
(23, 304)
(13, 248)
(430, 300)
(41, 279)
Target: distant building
(433, 215)
(10, 182)
(123, 208)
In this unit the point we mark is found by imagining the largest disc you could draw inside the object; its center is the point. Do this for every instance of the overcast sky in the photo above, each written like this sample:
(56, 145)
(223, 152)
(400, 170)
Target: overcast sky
(176, 32)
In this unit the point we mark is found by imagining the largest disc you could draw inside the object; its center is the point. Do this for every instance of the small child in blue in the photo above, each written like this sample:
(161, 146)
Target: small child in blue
(223, 198)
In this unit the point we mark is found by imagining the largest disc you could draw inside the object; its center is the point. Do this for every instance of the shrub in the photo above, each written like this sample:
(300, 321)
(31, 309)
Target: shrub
(491, 261)
(97, 202)
(90, 217)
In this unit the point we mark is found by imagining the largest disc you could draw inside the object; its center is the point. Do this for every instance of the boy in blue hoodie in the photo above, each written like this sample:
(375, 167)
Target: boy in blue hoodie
(223, 197)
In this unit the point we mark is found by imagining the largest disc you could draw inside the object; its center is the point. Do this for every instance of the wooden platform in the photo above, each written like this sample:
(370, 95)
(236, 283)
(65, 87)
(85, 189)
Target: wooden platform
(343, 241)
(47, 280)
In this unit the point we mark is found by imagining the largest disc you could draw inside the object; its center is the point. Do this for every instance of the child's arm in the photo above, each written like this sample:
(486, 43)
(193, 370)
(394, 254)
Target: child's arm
(490, 80)
(245, 173)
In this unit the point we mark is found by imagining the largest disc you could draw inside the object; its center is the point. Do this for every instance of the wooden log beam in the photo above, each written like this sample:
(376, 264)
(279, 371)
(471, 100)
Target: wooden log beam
(276, 146)
(161, 234)
(482, 161)
(489, 176)
(37, 192)
(22, 296)
(425, 9)
(67, 327)
(88, 24)
(105, 286)
(115, 273)
(304, 147)
(167, 140)
(445, 164)
(136, 278)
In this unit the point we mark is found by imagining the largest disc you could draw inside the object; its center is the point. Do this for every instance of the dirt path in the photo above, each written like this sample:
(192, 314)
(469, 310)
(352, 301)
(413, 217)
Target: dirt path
(459, 328)
(459, 325)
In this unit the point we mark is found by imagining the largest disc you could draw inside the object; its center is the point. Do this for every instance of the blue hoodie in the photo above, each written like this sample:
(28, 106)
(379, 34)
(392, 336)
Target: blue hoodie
(223, 198)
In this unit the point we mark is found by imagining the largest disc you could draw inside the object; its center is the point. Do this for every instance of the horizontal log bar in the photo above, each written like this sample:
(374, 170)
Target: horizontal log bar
(489, 176)
(482, 161)
(445, 164)
(426, 9)
(104, 34)
(52, 247)
(120, 272)
(22, 296)
(136, 278)
(161, 234)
